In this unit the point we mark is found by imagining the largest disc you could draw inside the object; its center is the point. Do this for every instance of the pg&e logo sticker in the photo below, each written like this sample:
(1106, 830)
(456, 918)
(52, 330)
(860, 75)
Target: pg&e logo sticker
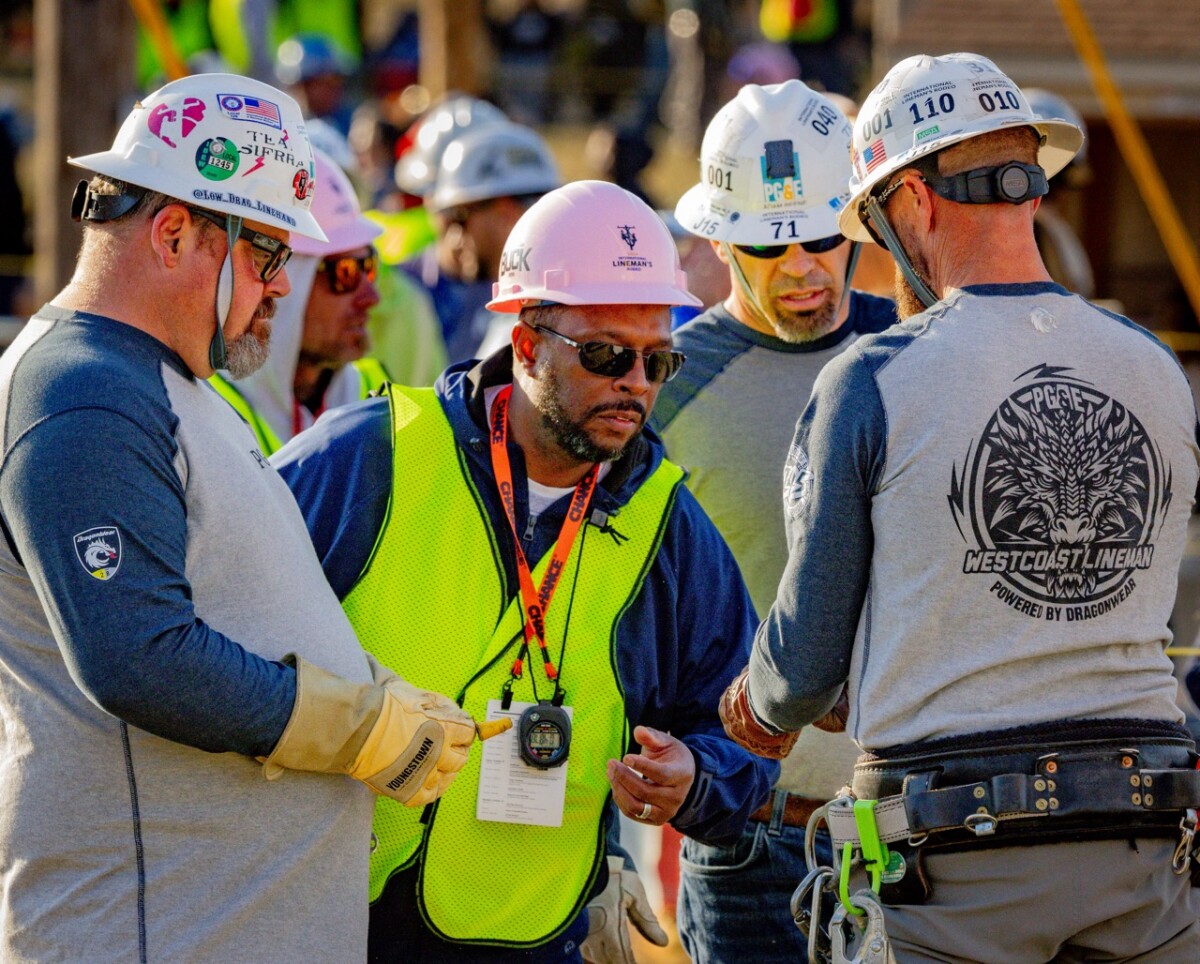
(99, 551)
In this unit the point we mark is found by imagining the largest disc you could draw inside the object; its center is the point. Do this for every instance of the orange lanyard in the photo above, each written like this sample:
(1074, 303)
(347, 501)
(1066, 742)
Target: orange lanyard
(536, 601)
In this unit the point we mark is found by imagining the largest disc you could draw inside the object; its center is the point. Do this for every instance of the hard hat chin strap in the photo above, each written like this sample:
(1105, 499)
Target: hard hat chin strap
(851, 264)
(874, 211)
(217, 355)
(745, 285)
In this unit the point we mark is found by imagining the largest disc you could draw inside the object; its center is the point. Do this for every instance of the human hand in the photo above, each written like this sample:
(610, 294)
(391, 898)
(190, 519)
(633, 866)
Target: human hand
(622, 902)
(651, 786)
(743, 726)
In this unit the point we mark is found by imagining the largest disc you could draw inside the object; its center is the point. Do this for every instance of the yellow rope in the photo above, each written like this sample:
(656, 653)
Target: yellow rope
(150, 15)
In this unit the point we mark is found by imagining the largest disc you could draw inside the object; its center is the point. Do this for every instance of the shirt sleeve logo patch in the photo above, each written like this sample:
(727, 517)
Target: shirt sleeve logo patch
(99, 551)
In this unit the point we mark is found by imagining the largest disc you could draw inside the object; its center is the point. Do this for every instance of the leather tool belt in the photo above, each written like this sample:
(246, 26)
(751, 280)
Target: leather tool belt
(1023, 791)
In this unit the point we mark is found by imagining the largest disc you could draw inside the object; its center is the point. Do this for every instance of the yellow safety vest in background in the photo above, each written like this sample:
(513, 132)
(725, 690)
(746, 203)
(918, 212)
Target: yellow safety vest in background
(372, 377)
(430, 605)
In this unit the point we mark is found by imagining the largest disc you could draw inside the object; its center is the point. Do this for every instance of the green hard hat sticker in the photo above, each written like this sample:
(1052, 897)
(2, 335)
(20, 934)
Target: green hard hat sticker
(217, 158)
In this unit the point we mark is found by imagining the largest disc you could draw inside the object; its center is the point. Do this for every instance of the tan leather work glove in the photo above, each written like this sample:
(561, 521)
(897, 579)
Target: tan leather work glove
(743, 726)
(400, 741)
(622, 902)
(835, 720)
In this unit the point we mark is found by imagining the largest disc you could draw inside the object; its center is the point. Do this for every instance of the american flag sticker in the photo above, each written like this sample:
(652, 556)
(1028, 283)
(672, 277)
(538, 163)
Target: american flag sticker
(873, 155)
(254, 109)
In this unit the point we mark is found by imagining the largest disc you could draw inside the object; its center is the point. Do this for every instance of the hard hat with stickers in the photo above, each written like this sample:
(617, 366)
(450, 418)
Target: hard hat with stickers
(925, 104)
(774, 167)
(336, 208)
(222, 142)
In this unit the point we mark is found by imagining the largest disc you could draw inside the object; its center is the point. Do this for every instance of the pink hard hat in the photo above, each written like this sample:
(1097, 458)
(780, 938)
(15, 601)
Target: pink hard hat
(336, 209)
(590, 243)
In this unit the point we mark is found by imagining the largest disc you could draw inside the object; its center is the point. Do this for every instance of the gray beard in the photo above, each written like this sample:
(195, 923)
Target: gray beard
(798, 329)
(245, 355)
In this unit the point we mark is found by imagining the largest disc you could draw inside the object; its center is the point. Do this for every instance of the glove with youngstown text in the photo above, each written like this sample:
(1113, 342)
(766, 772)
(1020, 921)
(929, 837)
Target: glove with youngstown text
(623, 901)
(400, 741)
(745, 729)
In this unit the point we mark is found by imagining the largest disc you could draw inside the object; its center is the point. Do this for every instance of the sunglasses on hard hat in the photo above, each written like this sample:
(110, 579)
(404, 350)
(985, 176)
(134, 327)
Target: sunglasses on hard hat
(345, 272)
(270, 254)
(616, 361)
(768, 252)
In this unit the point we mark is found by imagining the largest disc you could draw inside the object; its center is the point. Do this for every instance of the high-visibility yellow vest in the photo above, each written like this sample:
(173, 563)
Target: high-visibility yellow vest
(371, 374)
(431, 605)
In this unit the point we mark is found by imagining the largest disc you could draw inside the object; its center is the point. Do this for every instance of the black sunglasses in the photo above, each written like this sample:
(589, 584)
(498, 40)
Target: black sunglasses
(771, 251)
(270, 254)
(615, 361)
(345, 272)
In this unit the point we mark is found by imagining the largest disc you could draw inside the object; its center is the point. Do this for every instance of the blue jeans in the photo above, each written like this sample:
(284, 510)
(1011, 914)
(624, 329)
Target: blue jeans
(734, 902)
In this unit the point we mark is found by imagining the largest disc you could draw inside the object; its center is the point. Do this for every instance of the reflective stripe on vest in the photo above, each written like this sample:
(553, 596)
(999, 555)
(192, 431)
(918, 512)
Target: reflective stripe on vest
(268, 441)
(430, 605)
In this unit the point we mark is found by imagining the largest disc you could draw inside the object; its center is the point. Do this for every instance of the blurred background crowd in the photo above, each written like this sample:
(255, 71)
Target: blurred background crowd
(451, 116)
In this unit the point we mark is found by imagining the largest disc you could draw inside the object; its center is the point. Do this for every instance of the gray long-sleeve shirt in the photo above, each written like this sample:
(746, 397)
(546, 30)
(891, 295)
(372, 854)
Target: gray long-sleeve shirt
(986, 510)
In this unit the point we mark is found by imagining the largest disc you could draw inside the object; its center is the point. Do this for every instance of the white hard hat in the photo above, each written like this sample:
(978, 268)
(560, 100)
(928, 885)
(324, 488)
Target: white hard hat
(774, 167)
(336, 208)
(925, 104)
(1051, 106)
(590, 243)
(222, 142)
(326, 138)
(417, 168)
(499, 160)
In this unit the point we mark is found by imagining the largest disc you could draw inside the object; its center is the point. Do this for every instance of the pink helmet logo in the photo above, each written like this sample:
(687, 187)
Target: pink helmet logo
(628, 236)
(193, 114)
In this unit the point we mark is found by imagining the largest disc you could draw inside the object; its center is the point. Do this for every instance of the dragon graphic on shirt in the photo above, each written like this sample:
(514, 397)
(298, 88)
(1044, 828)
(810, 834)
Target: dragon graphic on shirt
(1060, 496)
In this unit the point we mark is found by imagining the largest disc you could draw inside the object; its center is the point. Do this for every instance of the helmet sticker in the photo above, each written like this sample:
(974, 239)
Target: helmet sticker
(874, 154)
(630, 262)
(253, 109)
(217, 158)
(161, 115)
(99, 551)
(252, 206)
(301, 184)
(781, 172)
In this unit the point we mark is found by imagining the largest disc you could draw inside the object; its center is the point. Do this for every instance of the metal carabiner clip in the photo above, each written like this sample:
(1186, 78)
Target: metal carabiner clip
(872, 943)
(1182, 858)
(807, 911)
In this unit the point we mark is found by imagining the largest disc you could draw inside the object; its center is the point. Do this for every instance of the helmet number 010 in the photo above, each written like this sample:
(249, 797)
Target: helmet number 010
(1003, 100)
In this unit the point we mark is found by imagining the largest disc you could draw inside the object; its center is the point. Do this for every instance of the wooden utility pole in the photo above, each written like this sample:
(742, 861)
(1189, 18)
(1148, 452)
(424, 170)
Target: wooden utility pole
(83, 82)
(451, 37)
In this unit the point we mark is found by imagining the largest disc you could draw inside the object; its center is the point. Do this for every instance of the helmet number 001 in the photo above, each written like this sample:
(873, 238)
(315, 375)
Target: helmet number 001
(877, 125)
(720, 177)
